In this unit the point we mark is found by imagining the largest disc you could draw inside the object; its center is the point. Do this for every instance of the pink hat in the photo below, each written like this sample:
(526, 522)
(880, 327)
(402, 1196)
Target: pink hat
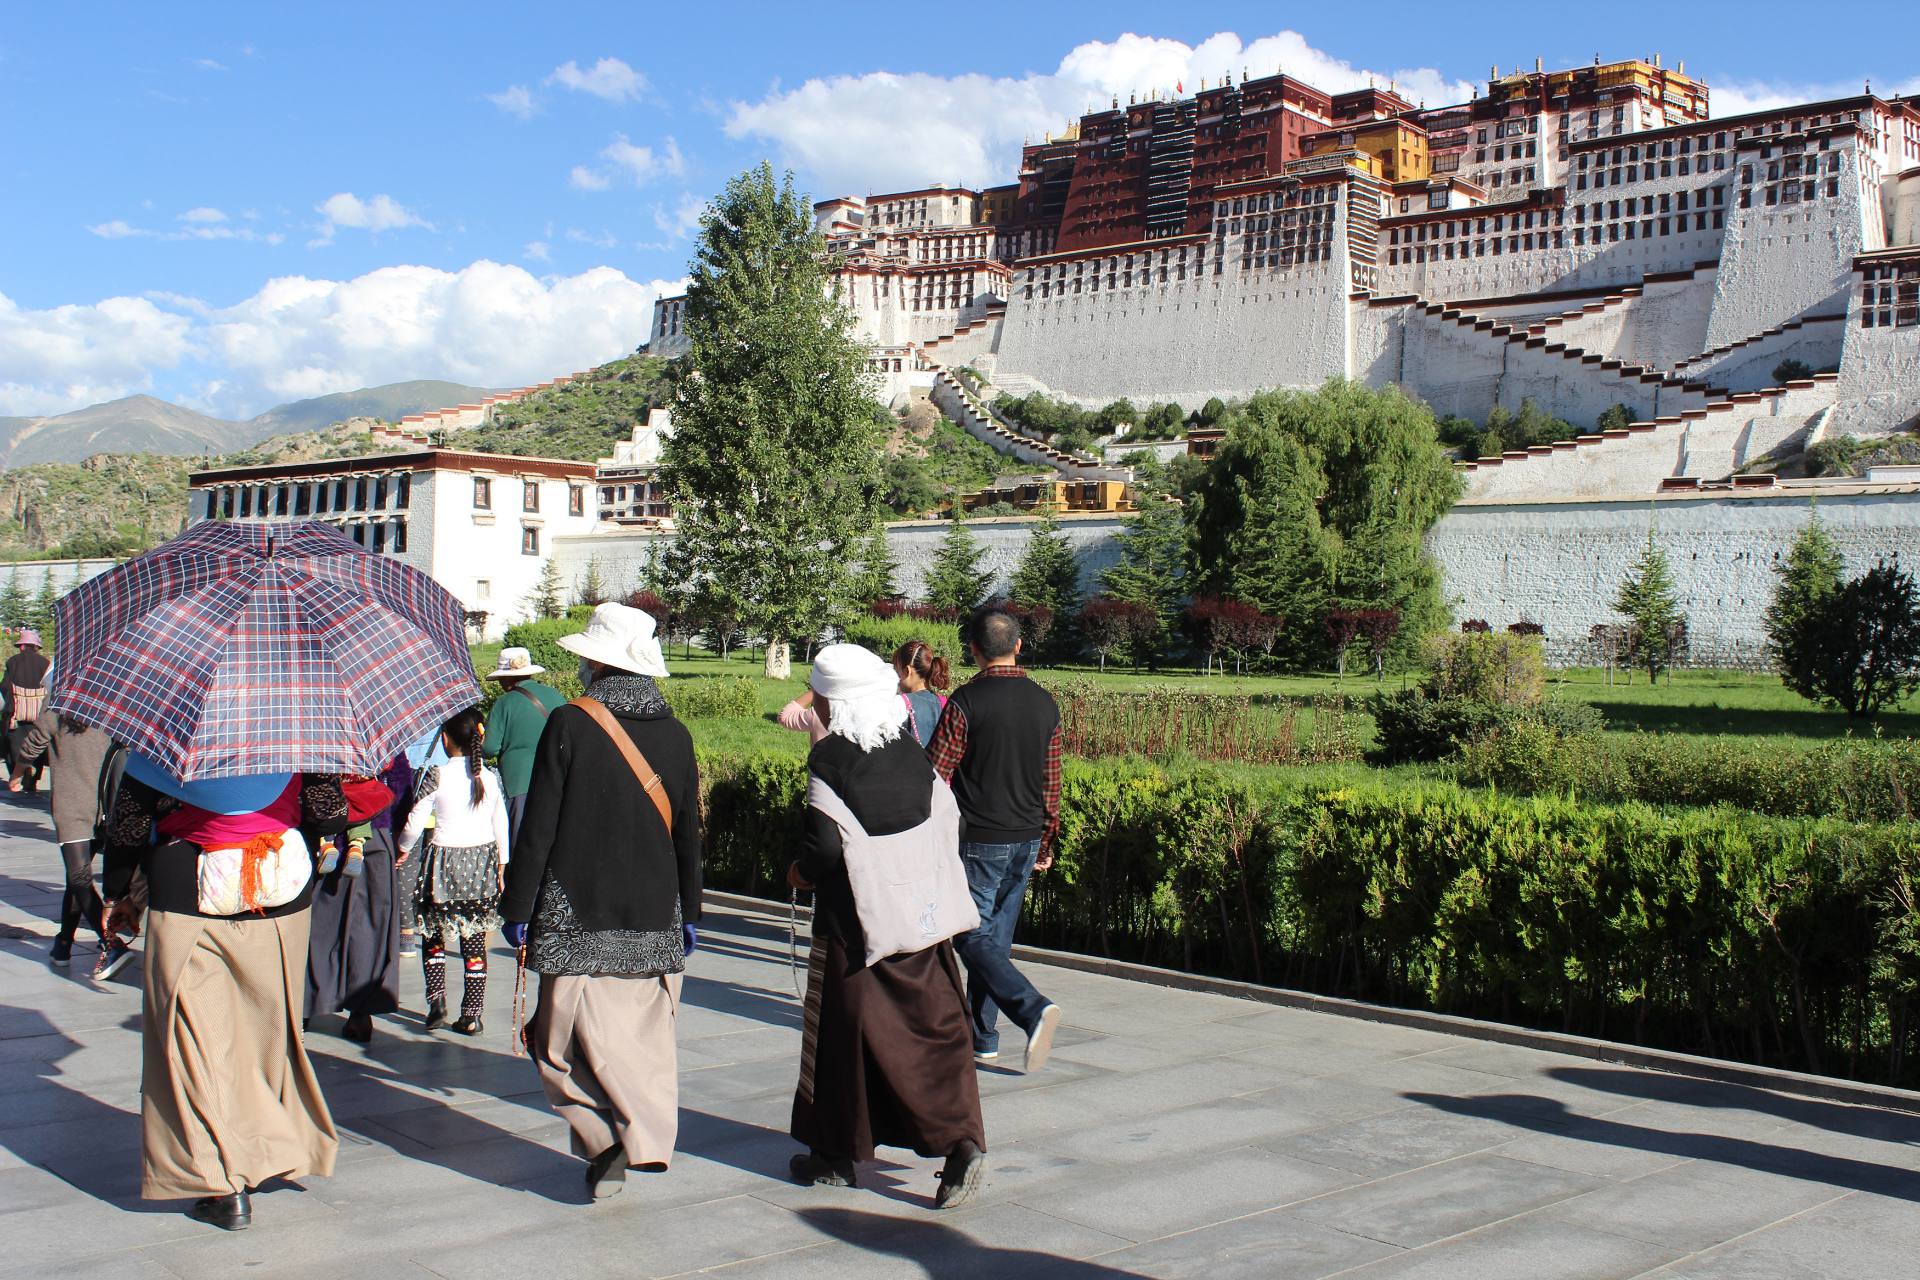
(29, 636)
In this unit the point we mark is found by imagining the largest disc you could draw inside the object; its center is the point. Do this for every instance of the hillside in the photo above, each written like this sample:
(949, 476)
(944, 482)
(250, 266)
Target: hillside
(145, 424)
(581, 419)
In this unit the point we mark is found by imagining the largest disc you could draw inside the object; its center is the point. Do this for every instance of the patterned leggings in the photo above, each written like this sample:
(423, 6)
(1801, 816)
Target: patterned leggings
(433, 958)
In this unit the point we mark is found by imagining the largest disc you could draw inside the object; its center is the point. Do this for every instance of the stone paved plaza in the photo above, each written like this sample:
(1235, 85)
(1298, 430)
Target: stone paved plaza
(1175, 1134)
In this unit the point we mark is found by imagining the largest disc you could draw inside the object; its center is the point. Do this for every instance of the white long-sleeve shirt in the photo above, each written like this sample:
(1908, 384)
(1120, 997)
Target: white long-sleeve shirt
(446, 793)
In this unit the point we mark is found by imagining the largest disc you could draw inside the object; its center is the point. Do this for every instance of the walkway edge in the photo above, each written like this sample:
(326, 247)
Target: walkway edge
(1719, 1071)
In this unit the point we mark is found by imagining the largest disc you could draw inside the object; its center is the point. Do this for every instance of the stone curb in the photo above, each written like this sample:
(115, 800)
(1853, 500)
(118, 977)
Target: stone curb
(1774, 1080)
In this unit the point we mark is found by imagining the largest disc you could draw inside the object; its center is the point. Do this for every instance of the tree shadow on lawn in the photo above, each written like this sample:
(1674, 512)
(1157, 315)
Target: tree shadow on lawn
(1745, 721)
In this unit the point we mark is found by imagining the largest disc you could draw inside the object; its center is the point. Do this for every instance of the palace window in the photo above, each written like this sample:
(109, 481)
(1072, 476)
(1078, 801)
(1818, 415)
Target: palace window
(482, 493)
(530, 495)
(530, 540)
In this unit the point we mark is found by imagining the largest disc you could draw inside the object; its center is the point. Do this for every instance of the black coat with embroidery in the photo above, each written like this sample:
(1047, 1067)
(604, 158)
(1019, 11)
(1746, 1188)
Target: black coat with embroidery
(590, 826)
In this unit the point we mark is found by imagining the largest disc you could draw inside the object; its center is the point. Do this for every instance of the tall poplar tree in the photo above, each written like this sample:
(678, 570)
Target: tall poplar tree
(774, 463)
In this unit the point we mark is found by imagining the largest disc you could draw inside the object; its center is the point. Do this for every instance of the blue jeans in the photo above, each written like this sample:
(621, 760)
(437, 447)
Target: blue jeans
(997, 874)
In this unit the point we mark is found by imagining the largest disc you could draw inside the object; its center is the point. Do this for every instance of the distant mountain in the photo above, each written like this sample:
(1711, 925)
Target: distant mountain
(389, 403)
(144, 424)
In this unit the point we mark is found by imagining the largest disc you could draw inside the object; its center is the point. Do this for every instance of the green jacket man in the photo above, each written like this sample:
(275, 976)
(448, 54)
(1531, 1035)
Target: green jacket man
(514, 726)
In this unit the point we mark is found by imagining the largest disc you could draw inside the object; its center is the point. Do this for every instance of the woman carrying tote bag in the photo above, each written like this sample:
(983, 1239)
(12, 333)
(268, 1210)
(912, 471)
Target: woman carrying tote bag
(887, 1058)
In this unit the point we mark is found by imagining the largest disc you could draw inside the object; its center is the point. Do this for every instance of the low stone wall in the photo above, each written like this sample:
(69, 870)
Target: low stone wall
(1559, 564)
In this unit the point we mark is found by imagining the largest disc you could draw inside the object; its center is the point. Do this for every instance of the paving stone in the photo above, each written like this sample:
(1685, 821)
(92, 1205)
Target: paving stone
(1256, 1247)
(1526, 1249)
(1429, 1204)
(1147, 1203)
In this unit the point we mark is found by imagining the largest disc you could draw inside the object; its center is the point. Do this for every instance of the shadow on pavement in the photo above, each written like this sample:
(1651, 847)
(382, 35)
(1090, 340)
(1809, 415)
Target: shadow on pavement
(1551, 1116)
(946, 1253)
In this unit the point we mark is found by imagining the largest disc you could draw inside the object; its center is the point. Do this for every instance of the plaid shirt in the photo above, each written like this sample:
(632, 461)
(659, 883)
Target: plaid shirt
(949, 747)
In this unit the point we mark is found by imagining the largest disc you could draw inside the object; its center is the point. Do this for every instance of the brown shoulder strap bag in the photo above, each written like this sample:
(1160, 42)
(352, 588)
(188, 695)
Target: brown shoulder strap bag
(649, 778)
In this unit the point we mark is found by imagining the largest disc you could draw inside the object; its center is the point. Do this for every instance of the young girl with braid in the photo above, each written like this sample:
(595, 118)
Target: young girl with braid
(465, 866)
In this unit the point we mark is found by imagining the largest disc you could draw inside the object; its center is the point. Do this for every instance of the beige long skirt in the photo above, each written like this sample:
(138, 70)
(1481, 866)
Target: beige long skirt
(605, 1048)
(228, 1098)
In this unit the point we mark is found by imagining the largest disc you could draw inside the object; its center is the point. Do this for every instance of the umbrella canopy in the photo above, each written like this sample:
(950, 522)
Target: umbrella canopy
(249, 648)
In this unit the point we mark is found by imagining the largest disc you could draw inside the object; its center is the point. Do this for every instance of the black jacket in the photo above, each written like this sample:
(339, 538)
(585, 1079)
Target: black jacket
(589, 825)
(889, 790)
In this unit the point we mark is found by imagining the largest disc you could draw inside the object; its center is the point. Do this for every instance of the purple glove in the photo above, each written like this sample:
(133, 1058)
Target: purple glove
(689, 939)
(516, 934)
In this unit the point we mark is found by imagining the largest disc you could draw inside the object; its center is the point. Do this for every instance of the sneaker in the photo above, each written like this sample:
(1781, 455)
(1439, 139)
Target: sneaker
(329, 857)
(986, 1055)
(62, 954)
(815, 1170)
(961, 1179)
(1040, 1039)
(114, 957)
(356, 861)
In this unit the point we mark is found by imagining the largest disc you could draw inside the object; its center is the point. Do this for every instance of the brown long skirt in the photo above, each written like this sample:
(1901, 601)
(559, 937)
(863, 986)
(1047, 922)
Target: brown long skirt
(888, 1056)
(227, 1096)
(605, 1047)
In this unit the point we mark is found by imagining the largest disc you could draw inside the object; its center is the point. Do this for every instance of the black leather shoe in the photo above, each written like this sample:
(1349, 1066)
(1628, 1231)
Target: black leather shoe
(607, 1172)
(961, 1179)
(815, 1170)
(436, 1016)
(467, 1026)
(358, 1028)
(229, 1213)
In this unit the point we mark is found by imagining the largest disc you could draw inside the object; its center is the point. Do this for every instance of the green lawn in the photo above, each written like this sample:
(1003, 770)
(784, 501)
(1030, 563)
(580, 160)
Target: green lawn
(1699, 703)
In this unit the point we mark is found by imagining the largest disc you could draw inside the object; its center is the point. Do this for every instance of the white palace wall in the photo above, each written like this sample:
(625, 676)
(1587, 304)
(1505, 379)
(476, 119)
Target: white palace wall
(1786, 260)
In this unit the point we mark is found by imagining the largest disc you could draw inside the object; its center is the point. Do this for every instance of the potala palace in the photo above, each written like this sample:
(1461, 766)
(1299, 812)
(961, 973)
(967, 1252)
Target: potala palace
(1580, 238)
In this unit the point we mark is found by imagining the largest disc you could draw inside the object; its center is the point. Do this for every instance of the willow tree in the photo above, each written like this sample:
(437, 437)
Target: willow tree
(774, 460)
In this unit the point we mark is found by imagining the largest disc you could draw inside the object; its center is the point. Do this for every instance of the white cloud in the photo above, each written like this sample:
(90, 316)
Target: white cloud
(381, 213)
(515, 100)
(640, 165)
(603, 240)
(208, 64)
(537, 251)
(883, 131)
(1737, 97)
(609, 78)
(204, 213)
(116, 230)
(70, 357)
(488, 324)
(681, 220)
(196, 224)
(585, 179)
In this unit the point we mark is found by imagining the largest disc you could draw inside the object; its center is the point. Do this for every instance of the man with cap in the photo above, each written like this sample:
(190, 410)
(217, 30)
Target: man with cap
(515, 724)
(23, 691)
(603, 891)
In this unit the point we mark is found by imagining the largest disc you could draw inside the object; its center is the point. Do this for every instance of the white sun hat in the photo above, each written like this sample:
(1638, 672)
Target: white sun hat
(619, 636)
(515, 663)
(863, 694)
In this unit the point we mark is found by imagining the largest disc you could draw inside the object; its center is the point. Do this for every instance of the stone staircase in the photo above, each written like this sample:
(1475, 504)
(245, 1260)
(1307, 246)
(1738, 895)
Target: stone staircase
(1792, 326)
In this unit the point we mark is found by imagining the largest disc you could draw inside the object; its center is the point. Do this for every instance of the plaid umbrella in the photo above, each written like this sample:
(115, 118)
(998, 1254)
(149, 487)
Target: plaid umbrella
(249, 648)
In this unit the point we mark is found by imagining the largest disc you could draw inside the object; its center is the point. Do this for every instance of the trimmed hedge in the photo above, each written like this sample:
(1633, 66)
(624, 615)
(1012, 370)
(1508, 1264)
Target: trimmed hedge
(885, 636)
(541, 640)
(1788, 941)
(1860, 780)
(734, 697)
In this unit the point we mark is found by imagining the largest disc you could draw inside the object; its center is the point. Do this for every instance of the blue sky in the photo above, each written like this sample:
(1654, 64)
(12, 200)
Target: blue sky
(235, 205)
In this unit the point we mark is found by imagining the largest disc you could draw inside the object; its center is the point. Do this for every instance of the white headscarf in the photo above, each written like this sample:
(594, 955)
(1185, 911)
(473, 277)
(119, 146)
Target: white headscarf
(867, 708)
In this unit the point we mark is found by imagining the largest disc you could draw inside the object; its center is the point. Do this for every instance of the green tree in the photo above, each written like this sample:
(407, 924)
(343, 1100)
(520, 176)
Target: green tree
(40, 613)
(1049, 574)
(955, 581)
(878, 569)
(1870, 657)
(1212, 411)
(1324, 494)
(15, 603)
(774, 464)
(1652, 607)
(1614, 418)
(1791, 370)
(592, 587)
(548, 599)
(1152, 570)
(1800, 617)
(1116, 414)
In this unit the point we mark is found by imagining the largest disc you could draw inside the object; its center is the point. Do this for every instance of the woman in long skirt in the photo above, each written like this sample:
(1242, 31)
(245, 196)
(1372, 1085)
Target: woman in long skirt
(887, 1058)
(228, 1096)
(352, 958)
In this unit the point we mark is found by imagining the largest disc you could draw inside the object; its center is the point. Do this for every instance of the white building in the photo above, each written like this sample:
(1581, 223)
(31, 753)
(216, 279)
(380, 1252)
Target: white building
(629, 481)
(483, 525)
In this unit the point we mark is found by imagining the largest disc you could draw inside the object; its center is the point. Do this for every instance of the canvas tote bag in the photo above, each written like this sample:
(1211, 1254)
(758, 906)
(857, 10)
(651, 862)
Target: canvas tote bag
(909, 889)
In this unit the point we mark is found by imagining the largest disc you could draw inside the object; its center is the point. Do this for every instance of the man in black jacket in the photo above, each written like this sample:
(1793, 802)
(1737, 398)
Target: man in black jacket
(603, 891)
(998, 744)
